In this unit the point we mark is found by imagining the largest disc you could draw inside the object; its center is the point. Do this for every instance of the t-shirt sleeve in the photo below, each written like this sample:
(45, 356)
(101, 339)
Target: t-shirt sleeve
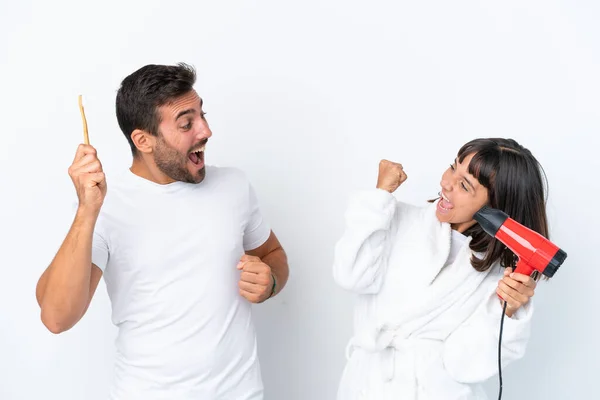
(99, 250)
(257, 229)
(99, 243)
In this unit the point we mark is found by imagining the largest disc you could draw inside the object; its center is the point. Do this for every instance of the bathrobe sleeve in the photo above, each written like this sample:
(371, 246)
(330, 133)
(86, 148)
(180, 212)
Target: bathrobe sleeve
(361, 253)
(471, 351)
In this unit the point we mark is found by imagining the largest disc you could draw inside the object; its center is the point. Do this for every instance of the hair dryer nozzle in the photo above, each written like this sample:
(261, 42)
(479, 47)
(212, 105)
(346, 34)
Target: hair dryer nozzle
(490, 219)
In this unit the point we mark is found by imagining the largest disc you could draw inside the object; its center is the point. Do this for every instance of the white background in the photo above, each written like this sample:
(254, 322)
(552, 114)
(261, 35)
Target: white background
(306, 97)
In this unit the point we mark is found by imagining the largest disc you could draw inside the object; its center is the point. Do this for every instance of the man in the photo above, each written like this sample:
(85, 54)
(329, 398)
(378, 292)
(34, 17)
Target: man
(169, 237)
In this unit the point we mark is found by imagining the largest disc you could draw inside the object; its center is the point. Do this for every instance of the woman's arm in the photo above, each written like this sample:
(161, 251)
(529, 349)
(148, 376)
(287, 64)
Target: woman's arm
(361, 254)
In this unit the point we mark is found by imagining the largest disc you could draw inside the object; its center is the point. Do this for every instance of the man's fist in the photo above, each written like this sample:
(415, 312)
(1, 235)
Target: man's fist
(391, 176)
(88, 178)
(256, 279)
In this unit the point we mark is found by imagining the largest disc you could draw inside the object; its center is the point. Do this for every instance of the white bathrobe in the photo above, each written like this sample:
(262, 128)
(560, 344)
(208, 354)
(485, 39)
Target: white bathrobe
(423, 329)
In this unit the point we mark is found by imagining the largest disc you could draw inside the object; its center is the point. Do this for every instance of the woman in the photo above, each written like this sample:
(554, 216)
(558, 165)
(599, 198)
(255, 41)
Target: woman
(429, 280)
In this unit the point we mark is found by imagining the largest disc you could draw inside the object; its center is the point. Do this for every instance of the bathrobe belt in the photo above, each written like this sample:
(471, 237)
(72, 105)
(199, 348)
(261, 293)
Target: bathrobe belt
(391, 345)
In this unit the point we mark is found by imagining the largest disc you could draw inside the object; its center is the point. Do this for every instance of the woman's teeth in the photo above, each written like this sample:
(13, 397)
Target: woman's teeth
(444, 202)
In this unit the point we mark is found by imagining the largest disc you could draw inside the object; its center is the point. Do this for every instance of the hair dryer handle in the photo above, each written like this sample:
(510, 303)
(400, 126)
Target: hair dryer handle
(523, 268)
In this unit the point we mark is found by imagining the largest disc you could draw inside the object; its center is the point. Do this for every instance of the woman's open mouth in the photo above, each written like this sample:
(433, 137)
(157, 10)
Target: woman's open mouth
(445, 204)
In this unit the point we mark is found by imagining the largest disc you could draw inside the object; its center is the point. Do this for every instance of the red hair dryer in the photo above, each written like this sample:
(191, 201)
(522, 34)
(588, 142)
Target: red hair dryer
(535, 252)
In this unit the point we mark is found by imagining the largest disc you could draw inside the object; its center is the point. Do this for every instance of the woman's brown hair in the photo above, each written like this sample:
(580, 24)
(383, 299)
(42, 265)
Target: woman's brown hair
(516, 184)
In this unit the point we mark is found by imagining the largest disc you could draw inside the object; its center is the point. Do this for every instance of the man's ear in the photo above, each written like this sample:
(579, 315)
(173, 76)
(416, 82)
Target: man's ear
(143, 141)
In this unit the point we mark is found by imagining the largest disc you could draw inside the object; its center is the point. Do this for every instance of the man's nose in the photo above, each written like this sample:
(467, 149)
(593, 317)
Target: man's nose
(204, 132)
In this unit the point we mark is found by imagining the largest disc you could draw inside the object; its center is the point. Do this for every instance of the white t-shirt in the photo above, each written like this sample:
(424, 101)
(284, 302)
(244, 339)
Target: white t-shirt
(169, 256)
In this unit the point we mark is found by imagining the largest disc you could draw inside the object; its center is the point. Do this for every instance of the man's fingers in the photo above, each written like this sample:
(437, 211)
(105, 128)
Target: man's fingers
(250, 287)
(82, 173)
(92, 167)
(85, 164)
(247, 257)
(259, 279)
(85, 159)
(251, 297)
(79, 153)
(254, 267)
(98, 178)
(250, 277)
(92, 179)
(255, 278)
(82, 150)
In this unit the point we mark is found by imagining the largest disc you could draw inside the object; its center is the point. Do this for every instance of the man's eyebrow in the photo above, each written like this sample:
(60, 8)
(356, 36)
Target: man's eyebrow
(185, 112)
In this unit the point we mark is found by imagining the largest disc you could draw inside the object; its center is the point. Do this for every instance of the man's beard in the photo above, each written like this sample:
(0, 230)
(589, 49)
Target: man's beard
(173, 164)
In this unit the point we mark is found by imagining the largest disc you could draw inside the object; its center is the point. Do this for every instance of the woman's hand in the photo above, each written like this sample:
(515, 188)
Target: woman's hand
(516, 290)
(391, 176)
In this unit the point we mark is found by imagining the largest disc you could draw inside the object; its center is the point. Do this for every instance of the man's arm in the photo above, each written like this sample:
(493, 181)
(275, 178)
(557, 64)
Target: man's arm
(66, 287)
(95, 277)
(262, 268)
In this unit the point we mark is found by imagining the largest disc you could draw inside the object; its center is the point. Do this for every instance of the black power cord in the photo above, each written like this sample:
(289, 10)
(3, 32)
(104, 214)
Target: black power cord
(500, 350)
(535, 275)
